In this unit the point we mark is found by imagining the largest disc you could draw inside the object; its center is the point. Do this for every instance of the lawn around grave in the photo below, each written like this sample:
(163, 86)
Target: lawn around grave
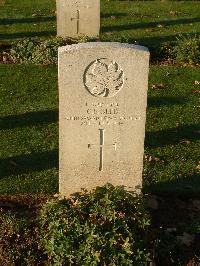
(29, 101)
(29, 130)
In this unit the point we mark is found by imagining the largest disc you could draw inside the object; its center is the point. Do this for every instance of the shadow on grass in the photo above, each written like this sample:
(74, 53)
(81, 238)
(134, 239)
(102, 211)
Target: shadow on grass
(144, 25)
(172, 136)
(9, 21)
(28, 163)
(156, 101)
(28, 119)
(154, 43)
(18, 35)
(184, 186)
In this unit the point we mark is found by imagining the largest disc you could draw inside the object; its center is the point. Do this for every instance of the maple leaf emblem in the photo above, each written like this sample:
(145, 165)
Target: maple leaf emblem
(104, 78)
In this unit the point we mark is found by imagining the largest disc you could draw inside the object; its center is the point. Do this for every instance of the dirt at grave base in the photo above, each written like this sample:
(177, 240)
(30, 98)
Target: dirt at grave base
(25, 204)
(173, 221)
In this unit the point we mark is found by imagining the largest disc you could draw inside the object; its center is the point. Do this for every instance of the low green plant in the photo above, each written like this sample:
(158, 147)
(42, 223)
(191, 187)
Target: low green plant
(23, 50)
(47, 52)
(194, 226)
(187, 50)
(164, 52)
(40, 52)
(105, 227)
(37, 52)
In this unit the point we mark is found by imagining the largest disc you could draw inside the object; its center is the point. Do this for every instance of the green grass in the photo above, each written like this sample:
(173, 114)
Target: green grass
(172, 131)
(149, 23)
(26, 18)
(29, 100)
(29, 130)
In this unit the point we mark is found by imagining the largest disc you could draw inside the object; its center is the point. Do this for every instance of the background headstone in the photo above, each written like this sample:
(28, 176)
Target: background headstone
(77, 18)
(103, 97)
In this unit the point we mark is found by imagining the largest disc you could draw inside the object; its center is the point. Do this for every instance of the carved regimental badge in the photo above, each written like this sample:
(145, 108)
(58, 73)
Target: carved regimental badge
(104, 78)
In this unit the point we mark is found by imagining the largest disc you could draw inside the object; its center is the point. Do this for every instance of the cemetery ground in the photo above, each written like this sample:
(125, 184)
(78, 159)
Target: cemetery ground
(29, 121)
(148, 23)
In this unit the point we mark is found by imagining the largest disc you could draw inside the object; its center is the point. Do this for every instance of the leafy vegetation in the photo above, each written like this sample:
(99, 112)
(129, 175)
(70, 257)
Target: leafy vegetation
(187, 50)
(34, 51)
(105, 227)
(31, 51)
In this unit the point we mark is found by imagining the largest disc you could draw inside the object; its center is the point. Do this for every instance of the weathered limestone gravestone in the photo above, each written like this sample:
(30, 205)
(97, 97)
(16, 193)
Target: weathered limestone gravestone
(103, 97)
(78, 17)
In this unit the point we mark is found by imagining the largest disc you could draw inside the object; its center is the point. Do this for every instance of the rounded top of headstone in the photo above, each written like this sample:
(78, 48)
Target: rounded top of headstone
(102, 45)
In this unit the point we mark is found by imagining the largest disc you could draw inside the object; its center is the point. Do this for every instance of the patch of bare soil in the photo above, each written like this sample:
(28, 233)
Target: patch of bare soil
(5, 58)
(5, 52)
(25, 204)
(2, 2)
(174, 232)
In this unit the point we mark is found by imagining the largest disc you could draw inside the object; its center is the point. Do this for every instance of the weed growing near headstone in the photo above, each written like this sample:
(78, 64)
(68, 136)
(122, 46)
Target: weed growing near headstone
(105, 227)
(35, 51)
(32, 51)
(187, 50)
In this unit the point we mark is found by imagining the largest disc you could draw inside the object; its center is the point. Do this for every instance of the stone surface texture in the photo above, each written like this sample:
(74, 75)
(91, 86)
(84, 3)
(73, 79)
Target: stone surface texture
(102, 109)
(76, 18)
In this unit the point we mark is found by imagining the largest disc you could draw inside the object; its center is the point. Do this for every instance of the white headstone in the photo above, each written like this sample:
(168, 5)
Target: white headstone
(103, 98)
(77, 18)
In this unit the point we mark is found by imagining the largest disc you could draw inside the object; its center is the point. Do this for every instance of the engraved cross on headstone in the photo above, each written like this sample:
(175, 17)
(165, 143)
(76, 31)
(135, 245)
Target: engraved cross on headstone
(77, 18)
(102, 145)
